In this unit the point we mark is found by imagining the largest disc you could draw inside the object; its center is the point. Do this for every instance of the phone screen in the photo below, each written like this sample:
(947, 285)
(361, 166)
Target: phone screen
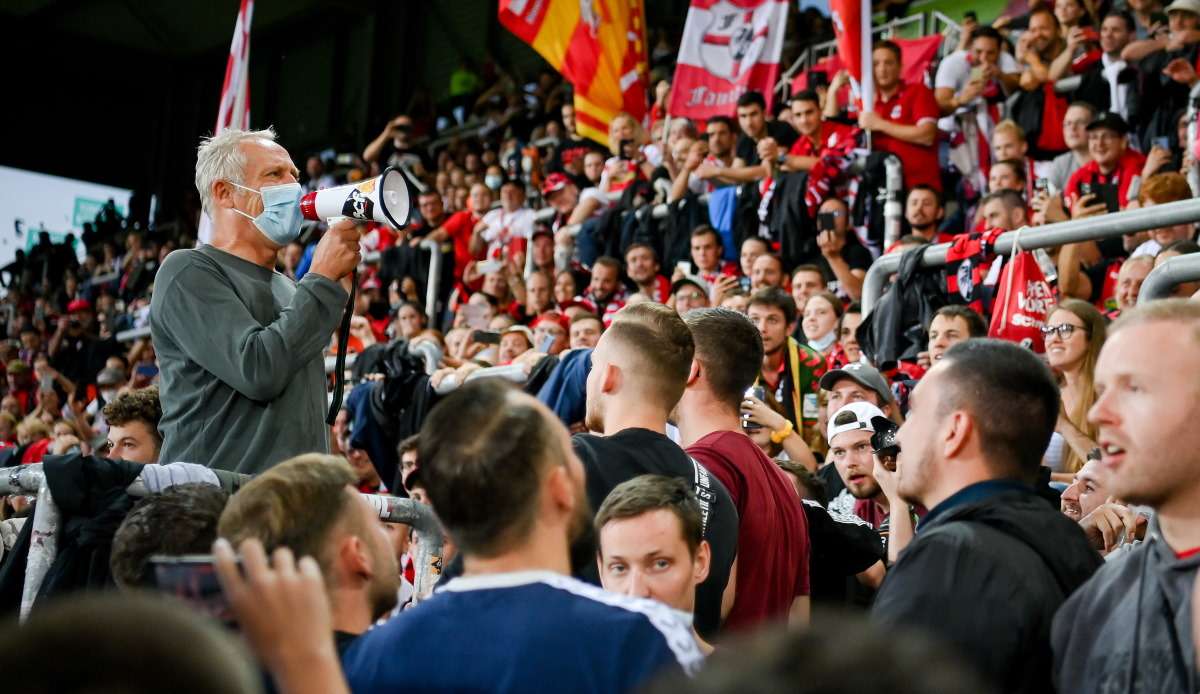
(547, 344)
(193, 579)
(486, 337)
(476, 316)
(1109, 194)
(826, 221)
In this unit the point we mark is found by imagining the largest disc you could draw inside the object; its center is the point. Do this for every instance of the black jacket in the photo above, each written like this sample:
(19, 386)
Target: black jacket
(987, 577)
(895, 328)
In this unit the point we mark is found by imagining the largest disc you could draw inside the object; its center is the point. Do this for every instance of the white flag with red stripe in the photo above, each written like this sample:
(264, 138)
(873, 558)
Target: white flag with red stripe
(729, 47)
(852, 26)
(234, 109)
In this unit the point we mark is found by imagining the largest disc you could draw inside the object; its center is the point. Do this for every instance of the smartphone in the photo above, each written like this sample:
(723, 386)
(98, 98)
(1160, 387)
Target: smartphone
(486, 337)
(685, 266)
(753, 392)
(818, 79)
(47, 382)
(976, 75)
(1041, 185)
(826, 221)
(1085, 189)
(146, 370)
(1110, 195)
(626, 146)
(193, 579)
(1164, 142)
(487, 267)
(547, 344)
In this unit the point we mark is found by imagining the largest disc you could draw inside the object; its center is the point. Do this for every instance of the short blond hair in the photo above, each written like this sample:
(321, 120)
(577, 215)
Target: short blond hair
(1009, 126)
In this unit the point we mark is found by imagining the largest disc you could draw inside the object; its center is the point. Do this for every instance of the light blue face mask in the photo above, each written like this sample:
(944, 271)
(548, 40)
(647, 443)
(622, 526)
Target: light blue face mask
(281, 217)
(824, 343)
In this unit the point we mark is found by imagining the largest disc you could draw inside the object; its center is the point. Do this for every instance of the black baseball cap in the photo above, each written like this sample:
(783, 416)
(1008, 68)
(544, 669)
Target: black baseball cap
(1110, 120)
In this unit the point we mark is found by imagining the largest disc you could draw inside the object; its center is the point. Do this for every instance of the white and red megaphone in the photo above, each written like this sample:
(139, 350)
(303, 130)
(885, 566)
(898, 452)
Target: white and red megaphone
(386, 199)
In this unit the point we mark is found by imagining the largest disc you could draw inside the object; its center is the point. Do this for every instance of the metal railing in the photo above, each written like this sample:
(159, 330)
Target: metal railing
(31, 480)
(1073, 231)
(1162, 280)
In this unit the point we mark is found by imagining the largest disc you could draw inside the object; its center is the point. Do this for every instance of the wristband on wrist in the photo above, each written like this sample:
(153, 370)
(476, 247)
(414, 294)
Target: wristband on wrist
(780, 434)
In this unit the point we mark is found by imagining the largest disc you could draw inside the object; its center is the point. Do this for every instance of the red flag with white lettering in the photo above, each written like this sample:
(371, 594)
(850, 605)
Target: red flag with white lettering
(729, 47)
(852, 26)
(234, 109)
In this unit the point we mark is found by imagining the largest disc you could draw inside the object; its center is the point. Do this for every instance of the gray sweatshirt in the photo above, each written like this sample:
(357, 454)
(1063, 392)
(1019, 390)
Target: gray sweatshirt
(1129, 628)
(240, 352)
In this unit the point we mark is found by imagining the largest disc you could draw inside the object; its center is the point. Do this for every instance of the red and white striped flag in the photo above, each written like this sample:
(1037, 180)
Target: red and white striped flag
(729, 47)
(852, 26)
(234, 109)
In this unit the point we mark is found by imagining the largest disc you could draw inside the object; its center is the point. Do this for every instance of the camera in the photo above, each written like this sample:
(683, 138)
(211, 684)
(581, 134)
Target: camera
(884, 443)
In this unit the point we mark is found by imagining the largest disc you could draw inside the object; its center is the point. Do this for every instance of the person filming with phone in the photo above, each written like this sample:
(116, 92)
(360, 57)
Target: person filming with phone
(844, 261)
(240, 346)
(1107, 178)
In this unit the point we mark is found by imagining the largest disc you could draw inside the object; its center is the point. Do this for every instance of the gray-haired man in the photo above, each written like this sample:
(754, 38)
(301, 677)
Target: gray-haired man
(240, 345)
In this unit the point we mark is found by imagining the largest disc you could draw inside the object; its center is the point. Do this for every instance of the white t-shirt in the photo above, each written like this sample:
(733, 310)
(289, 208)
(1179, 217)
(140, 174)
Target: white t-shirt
(955, 70)
(1149, 247)
(503, 226)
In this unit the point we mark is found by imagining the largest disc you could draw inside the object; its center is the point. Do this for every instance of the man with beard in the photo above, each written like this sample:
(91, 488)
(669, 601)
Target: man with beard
(639, 369)
(850, 430)
(1132, 627)
(605, 291)
(310, 506)
(990, 548)
(642, 267)
(924, 212)
(511, 494)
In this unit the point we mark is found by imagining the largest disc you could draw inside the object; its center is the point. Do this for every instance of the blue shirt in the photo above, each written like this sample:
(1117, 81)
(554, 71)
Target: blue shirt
(973, 493)
(522, 632)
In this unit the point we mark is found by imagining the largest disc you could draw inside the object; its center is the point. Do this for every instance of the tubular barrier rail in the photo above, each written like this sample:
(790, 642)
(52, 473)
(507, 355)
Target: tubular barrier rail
(509, 372)
(30, 480)
(1164, 278)
(1073, 231)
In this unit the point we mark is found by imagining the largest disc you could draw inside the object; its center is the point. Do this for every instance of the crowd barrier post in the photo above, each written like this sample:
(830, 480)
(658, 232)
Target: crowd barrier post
(430, 541)
(433, 280)
(893, 208)
(1162, 279)
(1071, 231)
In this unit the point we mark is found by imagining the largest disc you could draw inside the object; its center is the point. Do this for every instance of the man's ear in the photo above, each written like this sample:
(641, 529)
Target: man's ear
(610, 380)
(693, 373)
(703, 562)
(353, 558)
(222, 193)
(957, 435)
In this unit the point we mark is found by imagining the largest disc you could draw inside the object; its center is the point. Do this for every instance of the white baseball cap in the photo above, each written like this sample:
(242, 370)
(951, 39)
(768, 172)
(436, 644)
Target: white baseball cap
(853, 417)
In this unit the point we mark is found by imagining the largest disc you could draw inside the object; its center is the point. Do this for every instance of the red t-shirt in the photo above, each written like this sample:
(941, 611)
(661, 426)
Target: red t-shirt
(805, 146)
(911, 105)
(1129, 167)
(773, 549)
(460, 226)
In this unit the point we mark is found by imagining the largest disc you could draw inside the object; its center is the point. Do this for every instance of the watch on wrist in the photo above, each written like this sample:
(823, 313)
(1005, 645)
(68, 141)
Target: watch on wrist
(781, 159)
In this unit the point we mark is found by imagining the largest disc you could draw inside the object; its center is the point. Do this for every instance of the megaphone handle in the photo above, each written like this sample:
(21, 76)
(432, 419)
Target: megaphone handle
(339, 382)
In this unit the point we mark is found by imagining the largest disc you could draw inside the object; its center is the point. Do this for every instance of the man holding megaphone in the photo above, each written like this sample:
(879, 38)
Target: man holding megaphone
(240, 346)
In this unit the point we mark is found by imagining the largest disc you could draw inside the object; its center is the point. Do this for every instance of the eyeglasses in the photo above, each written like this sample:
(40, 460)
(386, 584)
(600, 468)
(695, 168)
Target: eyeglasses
(1064, 331)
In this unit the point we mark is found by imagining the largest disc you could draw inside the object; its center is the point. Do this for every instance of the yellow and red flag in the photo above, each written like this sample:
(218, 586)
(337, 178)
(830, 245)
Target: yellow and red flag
(599, 46)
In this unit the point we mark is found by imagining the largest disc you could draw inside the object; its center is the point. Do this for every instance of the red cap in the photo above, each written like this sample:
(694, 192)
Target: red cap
(78, 306)
(554, 183)
(552, 317)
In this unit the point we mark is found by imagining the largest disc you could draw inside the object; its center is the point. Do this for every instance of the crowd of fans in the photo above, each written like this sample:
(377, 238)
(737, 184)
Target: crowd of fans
(713, 438)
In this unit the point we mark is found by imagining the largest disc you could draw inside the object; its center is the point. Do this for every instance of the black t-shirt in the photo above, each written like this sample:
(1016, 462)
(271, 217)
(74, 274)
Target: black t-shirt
(840, 547)
(611, 460)
(855, 255)
(747, 148)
